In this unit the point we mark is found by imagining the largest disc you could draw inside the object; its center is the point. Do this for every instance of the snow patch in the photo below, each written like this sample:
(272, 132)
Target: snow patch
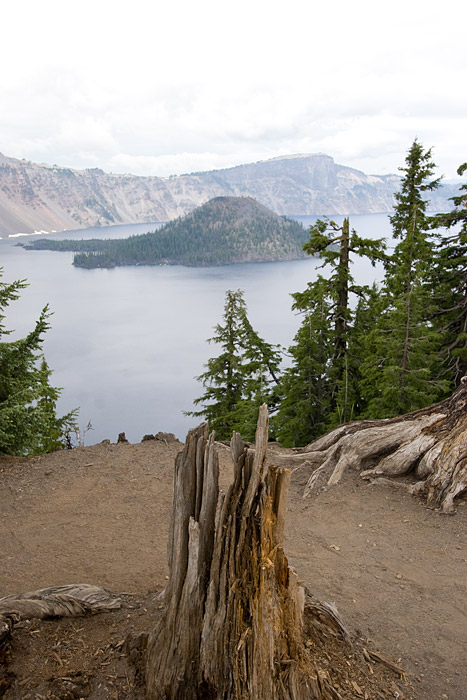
(34, 233)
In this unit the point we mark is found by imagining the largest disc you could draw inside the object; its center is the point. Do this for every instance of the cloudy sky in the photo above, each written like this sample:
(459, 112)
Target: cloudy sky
(154, 89)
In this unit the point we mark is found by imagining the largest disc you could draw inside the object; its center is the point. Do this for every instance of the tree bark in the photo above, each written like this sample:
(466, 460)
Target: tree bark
(430, 443)
(232, 625)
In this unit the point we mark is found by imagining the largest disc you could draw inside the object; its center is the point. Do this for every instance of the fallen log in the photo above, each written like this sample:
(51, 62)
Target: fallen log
(56, 601)
(430, 444)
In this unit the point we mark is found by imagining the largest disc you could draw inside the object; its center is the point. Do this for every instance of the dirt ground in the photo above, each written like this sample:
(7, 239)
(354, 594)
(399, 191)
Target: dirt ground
(100, 514)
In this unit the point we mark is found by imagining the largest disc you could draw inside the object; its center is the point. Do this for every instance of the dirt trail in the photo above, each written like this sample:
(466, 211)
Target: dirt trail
(396, 571)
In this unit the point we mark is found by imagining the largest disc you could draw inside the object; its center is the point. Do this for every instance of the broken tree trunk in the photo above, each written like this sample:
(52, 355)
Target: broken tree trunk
(431, 443)
(232, 625)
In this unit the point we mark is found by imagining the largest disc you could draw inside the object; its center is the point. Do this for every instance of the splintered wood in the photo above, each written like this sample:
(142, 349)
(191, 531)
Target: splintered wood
(236, 623)
(232, 627)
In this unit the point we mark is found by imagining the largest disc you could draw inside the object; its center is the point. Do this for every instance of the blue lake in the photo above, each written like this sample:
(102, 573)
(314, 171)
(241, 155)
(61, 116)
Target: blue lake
(126, 343)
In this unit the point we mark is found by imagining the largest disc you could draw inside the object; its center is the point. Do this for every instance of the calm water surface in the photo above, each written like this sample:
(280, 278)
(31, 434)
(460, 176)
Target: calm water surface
(126, 343)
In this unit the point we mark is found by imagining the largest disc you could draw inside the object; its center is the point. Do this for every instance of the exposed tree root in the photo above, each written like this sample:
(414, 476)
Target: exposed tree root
(431, 443)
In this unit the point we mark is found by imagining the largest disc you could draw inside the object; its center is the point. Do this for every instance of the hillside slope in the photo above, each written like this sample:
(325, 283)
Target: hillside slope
(48, 197)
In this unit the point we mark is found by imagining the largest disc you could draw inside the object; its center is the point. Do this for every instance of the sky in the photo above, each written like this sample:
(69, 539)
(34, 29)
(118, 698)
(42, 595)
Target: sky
(161, 89)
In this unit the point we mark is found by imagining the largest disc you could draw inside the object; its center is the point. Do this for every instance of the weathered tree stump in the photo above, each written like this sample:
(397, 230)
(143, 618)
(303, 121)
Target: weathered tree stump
(232, 625)
(431, 443)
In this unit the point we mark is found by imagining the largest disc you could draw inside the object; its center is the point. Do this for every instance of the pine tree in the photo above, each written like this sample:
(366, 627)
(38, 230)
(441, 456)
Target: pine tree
(336, 245)
(368, 311)
(449, 283)
(398, 372)
(28, 420)
(304, 389)
(241, 378)
(320, 389)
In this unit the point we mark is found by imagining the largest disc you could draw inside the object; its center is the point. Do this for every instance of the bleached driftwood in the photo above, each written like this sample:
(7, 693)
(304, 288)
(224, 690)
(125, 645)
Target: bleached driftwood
(57, 601)
(431, 443)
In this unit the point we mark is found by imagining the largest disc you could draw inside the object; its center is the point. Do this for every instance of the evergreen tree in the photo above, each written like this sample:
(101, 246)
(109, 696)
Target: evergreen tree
(398, 374)
(241, 378)
(368, 311)
(320, 389)
(336, 245)
(28, 421)
(449, 283)
(304, 389)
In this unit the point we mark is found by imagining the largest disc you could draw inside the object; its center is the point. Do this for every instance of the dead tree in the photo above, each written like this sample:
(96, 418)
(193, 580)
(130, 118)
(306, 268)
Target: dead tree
(430, 443)
(232, 625)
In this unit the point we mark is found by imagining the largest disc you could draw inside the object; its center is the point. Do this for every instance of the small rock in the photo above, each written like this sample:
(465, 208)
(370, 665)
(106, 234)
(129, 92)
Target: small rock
(121, 438)
(399, 576)
(165, 437)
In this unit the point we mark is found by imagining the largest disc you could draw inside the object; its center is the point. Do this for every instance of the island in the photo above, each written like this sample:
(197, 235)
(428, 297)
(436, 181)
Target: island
(222, 231)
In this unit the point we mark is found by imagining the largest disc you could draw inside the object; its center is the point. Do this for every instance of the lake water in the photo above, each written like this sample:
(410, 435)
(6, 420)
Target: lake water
(126, 343)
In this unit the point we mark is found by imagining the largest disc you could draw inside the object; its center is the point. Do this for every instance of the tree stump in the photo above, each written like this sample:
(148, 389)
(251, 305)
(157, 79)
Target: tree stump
(232, 625)
(431, 443)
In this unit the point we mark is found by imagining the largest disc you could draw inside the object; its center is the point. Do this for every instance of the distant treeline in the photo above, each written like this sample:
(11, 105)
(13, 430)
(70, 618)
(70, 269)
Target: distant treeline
(89, 245)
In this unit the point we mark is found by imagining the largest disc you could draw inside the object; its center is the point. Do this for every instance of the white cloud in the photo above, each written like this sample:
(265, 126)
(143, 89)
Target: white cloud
(87, 134)
(190, 86)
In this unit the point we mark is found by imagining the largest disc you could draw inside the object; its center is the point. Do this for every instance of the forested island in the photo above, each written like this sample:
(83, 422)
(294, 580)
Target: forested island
(223, 231)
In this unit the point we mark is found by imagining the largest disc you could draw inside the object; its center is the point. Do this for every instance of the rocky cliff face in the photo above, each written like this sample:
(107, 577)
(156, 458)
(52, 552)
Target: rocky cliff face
(43, 197)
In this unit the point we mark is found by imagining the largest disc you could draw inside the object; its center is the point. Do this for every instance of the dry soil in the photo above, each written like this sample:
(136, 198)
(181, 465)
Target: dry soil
(100, 514)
